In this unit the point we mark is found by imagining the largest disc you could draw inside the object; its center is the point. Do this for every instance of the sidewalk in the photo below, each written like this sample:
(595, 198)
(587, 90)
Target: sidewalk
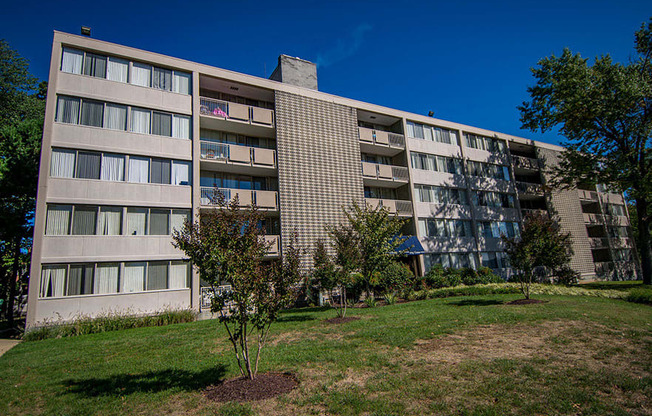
(6, 345)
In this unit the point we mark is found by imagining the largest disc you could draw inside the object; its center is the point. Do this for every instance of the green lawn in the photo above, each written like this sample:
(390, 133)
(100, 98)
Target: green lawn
(463, 355)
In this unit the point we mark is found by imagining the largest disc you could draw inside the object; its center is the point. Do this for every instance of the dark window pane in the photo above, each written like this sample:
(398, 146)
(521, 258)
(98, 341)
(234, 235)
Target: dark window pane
(92, 113)
(88, 165)
(162, 124)
(157, 275)
(80, 280)
(160, 171)
(158, 222)
(95, 65)
(162, 79)
(84, 220)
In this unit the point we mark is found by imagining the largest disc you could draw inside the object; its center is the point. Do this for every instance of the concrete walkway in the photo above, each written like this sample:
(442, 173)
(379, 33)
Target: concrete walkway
(6, 345)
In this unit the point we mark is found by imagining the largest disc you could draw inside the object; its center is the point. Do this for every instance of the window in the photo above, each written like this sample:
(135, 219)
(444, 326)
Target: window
(138, 169)
(88, 165)
(431, 227)
(110, 222)
(117, 70)
(161, 124)
(92, 113)
(67, 110)
(115, 117)
(440, 195)
(162, 79)
(141, 74)
(136, 221)
(496, 229)
(178, 218)
(493, 199)
(71, 61)
(180, 173)
(436, 163)
(179, 275)
(140, 120)
(95, 65)
(157, 275)
(106, 278)
(53, 280)
(158, 222)
(84, 220)
(489, 144)
(62, 164)
(181, 82)
(181, 127)
(160, 171)
(134, 279)
(436, 134)
(80, 279)
(454, 260)
(58, 219)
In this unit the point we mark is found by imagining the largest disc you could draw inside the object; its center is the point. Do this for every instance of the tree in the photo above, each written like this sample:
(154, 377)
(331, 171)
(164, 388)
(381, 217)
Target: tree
(540, 247)
(338, 276)
(604, 111)
(21, 128)
(372, 237)
(227, 246)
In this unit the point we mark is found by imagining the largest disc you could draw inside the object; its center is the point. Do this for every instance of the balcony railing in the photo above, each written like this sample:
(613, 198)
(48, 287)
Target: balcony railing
(529, 188)
(593, 219)
(598, 243)
(383, 138)
(222, 152)
(246, 197)
(394, 206)
(525, 162)
(587, 195)
(537, 212)
(385, 172)
(234, 111)
(604, 267)
(206, 295)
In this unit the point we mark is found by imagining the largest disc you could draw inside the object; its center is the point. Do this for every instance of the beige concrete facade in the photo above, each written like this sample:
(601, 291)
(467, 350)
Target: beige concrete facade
(298, 153)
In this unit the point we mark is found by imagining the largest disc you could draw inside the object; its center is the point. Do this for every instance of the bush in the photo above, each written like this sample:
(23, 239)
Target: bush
(566, 276)
(435, 278)
(84, 325)
(482, 276)
(370, 302)
(640, 296)
(390, 298)
(395, 277)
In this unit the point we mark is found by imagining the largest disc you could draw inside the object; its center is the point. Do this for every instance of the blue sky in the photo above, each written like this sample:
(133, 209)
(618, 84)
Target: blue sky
(468, 61)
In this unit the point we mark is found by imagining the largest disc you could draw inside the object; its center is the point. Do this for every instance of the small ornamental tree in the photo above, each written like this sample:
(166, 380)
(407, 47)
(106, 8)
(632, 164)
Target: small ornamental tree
(227, 246)
(376, 233)
(347, 253)
(541, 245)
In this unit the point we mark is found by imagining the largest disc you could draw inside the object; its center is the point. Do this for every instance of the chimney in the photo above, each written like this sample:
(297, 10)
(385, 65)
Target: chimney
(295, 71)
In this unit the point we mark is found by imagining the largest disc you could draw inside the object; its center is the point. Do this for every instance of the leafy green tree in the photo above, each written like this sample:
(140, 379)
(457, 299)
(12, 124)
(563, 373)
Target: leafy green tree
(227, 246)
(541, 247)
(377, 235)
(16, 86)
(605, 112)
(347, 253)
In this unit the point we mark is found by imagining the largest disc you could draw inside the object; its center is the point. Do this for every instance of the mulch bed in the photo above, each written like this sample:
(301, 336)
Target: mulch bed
(264, 386)
(339, 320)
(525, 301)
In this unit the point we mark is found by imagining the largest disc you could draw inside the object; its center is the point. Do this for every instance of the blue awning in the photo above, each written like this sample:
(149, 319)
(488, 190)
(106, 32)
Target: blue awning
(412, 245)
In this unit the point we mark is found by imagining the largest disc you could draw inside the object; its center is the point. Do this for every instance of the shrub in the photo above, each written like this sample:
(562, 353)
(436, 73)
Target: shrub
(566, 276)
(640, 296)
(395, 277)
(435, 278)
(390, 298)
(371, 302)
(482, 276)
(85, 325)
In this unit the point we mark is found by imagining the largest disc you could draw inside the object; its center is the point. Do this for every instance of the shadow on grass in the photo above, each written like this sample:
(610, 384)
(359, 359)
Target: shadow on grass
(295, 318)
(150, 382)
(616, 285)
(307, 309)
(476, 302)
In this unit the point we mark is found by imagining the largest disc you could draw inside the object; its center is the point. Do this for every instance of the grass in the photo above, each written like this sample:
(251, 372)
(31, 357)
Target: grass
(464, 356)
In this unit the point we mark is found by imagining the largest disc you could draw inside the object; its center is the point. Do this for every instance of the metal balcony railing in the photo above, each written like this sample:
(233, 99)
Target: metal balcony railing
(529, 188)
(235, 111)
(223, 152)
(598, 243)
(209, 196)
(593, 219)
(525, 162)
(383, 138)
(394, 206)
(587, 195)
(538, 212)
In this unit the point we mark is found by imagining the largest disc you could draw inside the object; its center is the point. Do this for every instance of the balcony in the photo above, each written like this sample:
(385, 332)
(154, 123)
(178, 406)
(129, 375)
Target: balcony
(525, 163)
(374, 172)
(587, 195)
(380, 142)
(529, 188)
(535, 212)
(228, 116)
(266, 200)
(604, 268)
(238, 156)
(599, 243)
(274, 248)
(394, 206)
(593, 219)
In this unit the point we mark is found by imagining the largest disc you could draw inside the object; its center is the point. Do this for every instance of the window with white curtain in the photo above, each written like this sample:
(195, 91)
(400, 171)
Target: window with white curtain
(134, 278)
(181, 127)
(181, 82)
(106, 278)
(180, 173)
(113, 167)
(115, 117)
(80, 279)
(67, 110)
(71, 61)
(157, 275)
(110, 221)
(162, 79)
(138, 169)
(117, 69)
(178, 218)
(178, 275)
(53, 280)
(141, 74)
(140, 120)
(136, 221)
(62, 164)
(58, 220)
(84, 220)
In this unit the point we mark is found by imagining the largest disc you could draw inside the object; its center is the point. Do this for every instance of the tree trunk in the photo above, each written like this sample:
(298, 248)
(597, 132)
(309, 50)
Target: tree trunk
(644, 240)
(12, 284)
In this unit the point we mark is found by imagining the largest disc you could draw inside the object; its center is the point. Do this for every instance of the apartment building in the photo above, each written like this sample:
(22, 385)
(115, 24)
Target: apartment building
(136, 142)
